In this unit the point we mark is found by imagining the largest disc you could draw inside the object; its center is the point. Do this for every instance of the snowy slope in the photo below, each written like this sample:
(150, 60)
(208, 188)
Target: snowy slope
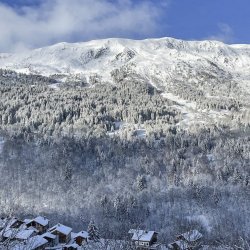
(156, 59)
(166, 63)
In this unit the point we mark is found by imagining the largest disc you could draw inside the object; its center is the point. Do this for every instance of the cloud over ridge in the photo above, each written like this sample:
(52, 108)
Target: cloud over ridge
(55, 21)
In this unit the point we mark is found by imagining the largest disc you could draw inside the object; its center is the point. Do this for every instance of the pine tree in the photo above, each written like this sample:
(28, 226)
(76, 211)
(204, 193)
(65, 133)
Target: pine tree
(141, 182)
(93, 231)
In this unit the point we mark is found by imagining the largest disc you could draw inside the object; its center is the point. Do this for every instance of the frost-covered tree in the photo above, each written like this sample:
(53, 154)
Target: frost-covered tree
(93, 231)
(141, 182)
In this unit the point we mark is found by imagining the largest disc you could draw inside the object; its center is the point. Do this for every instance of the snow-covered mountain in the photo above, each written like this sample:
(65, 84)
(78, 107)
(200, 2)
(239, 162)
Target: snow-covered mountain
(155, 59)
(184, 70)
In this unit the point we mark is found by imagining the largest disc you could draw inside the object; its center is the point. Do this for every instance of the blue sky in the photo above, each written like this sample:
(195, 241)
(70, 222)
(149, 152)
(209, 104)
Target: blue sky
(199, 19)
(35, 23)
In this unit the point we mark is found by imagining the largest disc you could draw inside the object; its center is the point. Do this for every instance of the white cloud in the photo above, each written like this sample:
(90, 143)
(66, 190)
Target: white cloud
(225, 34)
(76, 20)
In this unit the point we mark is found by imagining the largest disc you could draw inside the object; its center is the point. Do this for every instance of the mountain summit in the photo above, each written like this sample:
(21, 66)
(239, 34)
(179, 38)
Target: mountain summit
(157, 60)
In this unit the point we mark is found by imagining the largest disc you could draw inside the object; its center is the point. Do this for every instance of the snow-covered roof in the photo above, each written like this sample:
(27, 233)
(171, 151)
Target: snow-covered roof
(37, 241)
(12, 221)
(192, 235)
(48, 235)
(18, 245)
(41, 220)
(180, 243)
(142, 235)
(24, 234)
(61, 228)
(82, 234)
(32, 228)
(27, 221)
(9, 232)
(32, 244)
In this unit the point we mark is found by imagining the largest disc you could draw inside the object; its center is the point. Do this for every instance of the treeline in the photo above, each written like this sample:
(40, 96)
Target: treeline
(11, 78)
(212, 89)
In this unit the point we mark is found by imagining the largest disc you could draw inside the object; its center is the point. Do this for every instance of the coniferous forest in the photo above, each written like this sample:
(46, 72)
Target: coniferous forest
(117, 153)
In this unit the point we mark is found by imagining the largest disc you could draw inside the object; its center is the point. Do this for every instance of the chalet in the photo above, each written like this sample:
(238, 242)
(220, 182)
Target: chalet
(63, 233)
(25, 234)
(186, 241)
(190, 237)
(15, 223)
(81, 237)
(8, 233)
(178, 245)
(37, 243)
(144, 239)
(51, 238)
(12, 233)
(40, 223)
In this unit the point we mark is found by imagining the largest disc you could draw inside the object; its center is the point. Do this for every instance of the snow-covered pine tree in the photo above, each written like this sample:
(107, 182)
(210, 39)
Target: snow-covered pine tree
(141, 182)
(93, 231)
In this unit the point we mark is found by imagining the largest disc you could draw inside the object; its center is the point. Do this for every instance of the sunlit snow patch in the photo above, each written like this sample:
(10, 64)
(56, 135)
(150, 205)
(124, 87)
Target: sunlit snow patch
(55, 86)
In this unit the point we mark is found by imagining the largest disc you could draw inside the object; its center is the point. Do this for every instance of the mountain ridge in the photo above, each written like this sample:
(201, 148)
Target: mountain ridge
(53, 56)
(195, 74)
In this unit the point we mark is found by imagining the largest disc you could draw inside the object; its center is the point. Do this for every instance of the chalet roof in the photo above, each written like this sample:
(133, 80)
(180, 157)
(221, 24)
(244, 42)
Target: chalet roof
(41, 220)
(142, 235)
(18, 245)
(14, 220)
(24, 234)
(61, 228)
(192, 235)
(33, 228)
(180, 243)
(27, 221)
(37, 241)
(82, 234)
(9, 232)
(48, 235)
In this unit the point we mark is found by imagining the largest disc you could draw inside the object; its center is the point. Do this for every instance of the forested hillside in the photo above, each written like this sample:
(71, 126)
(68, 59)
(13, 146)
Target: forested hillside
(128, 153)
(60, 141)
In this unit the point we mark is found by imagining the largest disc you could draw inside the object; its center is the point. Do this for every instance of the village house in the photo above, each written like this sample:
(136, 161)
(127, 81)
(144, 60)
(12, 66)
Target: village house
(34, 234)
(12, 228)
(8, 233)
(144, 239)
(51, 238)
(186, 241)
(37, 243)
(63, 233)
(15, 223)
(25, 234)
(191, 236)
(40, 223)
(178, 245)
(81, 238)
